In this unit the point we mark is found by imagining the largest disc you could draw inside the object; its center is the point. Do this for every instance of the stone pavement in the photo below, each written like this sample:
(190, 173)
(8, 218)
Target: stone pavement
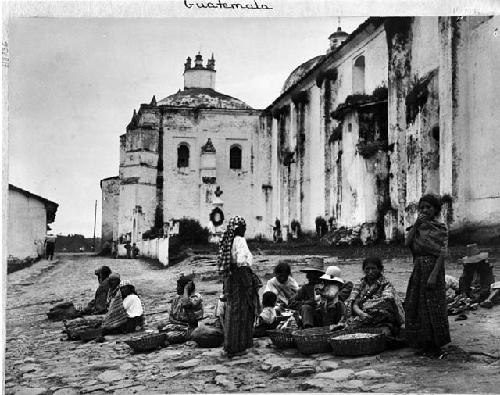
(38, 361)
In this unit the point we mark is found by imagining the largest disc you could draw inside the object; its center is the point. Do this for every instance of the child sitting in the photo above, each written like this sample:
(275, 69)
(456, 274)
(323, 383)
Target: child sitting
(268, 318)
(306, 301)
(332, 309)
(133, 306)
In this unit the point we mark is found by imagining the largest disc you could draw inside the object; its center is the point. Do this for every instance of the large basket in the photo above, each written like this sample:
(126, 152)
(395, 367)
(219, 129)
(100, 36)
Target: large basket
(313, 340)
(360, 346)
(282, 338)
(147, 342)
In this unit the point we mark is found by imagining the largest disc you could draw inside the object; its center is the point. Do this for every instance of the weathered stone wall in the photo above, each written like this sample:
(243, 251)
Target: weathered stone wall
(27, 226)
(475, 145)
(442, 120)
(199, 79)
(354, 192)
(110, 188)
(374, 49)
(138, 177)
(185, 194)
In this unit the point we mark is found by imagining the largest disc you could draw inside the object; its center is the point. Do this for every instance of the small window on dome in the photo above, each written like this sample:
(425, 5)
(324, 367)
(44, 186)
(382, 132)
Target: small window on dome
(183, 155)
(235, 157)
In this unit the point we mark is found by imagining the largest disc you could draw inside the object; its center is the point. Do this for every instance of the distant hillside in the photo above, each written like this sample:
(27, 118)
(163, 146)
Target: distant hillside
(74, 243)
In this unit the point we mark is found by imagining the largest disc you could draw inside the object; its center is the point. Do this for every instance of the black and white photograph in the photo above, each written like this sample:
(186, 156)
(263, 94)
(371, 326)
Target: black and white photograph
(250, 196)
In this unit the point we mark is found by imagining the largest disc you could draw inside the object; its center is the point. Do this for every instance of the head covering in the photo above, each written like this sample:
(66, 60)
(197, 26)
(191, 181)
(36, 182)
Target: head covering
(182, 282)
(315, 265)
(332, 274)
(115, 276)
(433, 200)
(224, 260)
(474, 255)
(124, 283)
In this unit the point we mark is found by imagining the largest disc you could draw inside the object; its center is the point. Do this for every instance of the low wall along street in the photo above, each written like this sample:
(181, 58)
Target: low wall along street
(154, 248)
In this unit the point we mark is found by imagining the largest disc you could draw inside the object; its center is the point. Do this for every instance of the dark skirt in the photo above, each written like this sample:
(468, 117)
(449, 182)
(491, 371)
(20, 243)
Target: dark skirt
(426, 316)
(240, 291)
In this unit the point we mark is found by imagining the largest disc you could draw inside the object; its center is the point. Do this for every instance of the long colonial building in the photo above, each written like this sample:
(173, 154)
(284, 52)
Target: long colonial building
(398, 108)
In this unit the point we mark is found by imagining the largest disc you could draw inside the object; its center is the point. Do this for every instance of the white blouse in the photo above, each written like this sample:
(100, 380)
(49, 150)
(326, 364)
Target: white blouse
(133, 305)
(240, 253)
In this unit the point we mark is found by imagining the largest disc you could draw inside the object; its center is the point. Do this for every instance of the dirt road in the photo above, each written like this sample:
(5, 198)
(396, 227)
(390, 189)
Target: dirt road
(38, 361)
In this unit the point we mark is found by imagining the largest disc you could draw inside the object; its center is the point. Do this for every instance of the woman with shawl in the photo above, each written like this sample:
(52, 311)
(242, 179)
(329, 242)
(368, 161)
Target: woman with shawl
(425, 304)
(185, 312)
(374, 302)
(240, 288)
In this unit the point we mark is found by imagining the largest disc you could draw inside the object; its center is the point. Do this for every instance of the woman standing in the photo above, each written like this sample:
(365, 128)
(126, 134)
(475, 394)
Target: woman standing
(240, 288)
(426, 318)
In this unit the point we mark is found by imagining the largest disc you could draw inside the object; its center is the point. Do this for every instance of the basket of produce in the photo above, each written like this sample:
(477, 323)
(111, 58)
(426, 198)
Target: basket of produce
(282, 338)
(363, 341)
(147, 342)
(313, 340)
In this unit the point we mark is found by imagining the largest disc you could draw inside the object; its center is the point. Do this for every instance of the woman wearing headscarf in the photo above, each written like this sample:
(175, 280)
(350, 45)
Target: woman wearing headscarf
(116, 315)
(374, 301)
(426, 319)
(185, 312)
(241, 287)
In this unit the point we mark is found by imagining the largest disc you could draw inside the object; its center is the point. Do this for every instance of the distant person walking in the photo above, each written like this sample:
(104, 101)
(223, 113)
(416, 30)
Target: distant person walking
(128, 247)
(425, 306)
(241, 287)
(50, 246)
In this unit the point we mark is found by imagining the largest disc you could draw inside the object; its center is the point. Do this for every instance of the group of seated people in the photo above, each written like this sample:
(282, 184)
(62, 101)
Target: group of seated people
(118, 301)
(325, 300)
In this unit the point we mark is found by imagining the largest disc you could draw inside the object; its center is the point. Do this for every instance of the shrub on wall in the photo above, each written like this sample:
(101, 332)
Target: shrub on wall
(191, 232)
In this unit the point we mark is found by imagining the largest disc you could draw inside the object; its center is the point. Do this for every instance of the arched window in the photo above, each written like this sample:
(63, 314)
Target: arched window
(358, 76)
(235, 157)
(183, 155)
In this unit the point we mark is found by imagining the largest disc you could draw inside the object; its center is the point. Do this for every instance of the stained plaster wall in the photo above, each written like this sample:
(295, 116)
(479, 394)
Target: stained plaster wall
(475, 124)
(138, 173)
(353, 193)
(27, 224)
(185, 195)
(199, 79)
(374, 49)
(110, 188)
(421, 137)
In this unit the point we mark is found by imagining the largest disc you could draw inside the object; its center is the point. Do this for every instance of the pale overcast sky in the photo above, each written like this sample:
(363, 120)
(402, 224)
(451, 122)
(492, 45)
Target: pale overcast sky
(74, 83)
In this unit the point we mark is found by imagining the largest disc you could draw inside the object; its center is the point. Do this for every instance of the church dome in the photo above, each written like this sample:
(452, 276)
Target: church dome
(301, 71)
(203, 98)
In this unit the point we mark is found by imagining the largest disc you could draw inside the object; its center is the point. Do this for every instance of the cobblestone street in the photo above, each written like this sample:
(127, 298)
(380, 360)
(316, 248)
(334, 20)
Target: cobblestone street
(39, 362)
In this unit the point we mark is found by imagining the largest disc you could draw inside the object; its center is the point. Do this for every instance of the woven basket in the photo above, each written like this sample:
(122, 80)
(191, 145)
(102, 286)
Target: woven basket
(355, 347)
(313, 340)
(147, 343)
(282, 338)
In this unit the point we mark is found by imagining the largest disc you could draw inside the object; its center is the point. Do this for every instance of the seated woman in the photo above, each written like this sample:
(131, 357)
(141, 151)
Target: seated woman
(185, 312)
(331, 309)
(282, 285)
(374, 301)
(99, 305)
(125, 313)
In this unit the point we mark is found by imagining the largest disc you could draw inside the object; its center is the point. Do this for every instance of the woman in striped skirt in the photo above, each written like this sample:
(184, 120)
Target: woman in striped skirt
(241, 287)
